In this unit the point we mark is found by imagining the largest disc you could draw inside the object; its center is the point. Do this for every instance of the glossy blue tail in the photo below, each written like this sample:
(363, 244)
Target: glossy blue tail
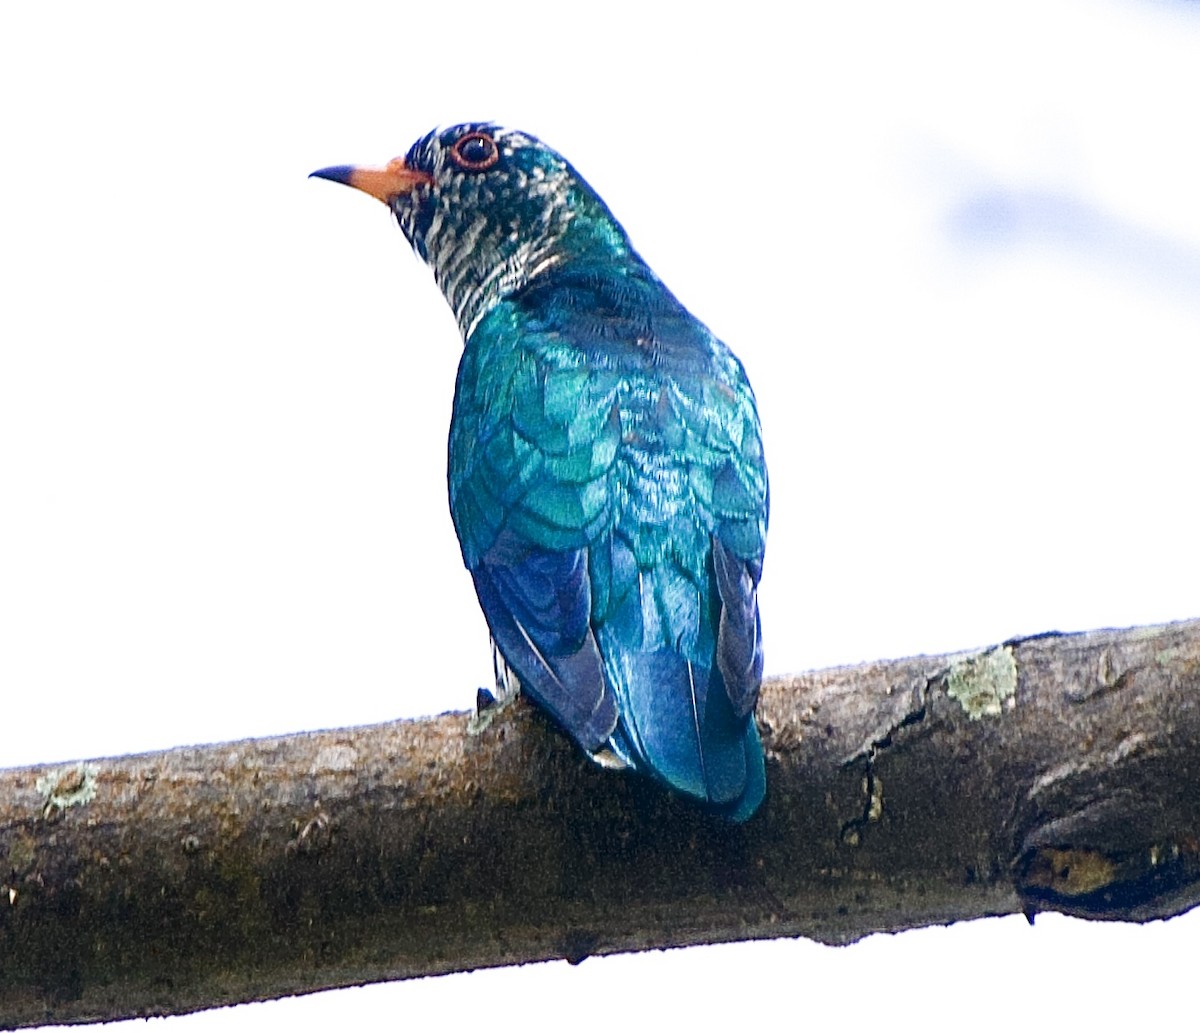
(678, 724)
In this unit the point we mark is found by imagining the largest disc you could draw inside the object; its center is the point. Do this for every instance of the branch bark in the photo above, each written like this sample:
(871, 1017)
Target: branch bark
(1052, 773)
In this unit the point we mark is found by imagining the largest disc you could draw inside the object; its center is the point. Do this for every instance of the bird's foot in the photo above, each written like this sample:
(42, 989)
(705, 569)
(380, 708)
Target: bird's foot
(491, 704)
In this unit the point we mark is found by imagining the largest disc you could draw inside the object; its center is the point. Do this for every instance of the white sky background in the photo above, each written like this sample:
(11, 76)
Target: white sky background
(957, 247)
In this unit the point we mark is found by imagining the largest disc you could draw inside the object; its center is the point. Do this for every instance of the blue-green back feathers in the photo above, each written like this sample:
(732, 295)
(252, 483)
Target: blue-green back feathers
(626, 434)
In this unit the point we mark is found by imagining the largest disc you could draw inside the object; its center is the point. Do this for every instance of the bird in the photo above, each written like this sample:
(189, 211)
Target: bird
(606, 472)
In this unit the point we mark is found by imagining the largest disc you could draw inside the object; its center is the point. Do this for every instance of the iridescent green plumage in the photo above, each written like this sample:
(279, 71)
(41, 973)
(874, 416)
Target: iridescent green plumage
(606, 472)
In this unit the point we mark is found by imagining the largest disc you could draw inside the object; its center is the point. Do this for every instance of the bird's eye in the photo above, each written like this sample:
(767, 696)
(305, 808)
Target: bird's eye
(475, 152)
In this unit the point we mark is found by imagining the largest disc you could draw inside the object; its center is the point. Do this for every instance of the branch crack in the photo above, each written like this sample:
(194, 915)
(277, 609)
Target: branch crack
(872, 784)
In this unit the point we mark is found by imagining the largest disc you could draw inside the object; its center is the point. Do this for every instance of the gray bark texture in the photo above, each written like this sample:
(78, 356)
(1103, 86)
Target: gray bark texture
(1060, 772)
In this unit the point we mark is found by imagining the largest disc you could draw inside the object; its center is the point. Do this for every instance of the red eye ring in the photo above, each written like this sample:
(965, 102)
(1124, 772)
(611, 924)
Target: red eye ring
(474, 158)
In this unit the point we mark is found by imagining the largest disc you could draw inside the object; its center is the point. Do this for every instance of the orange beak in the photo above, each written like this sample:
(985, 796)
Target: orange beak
(393, 180)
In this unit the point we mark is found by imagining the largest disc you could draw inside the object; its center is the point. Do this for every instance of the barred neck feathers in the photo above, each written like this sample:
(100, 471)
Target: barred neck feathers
(495, 219)
(478, 259)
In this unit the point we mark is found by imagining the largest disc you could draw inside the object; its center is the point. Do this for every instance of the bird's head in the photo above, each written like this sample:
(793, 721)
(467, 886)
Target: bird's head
(488, 209)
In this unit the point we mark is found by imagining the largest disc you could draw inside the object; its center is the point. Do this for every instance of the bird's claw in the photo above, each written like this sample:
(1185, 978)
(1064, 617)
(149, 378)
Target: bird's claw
(490, 704)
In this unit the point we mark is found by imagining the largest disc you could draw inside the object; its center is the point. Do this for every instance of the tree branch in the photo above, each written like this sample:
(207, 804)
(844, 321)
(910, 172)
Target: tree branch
(1053, 773)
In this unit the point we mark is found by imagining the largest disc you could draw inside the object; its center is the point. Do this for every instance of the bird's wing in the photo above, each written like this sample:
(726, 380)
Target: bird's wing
(537, 603)
(731, 489)
(532, 445)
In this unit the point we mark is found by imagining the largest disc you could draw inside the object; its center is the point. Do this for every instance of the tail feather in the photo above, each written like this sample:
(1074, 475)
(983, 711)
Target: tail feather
(677, 723)
(666, 682)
